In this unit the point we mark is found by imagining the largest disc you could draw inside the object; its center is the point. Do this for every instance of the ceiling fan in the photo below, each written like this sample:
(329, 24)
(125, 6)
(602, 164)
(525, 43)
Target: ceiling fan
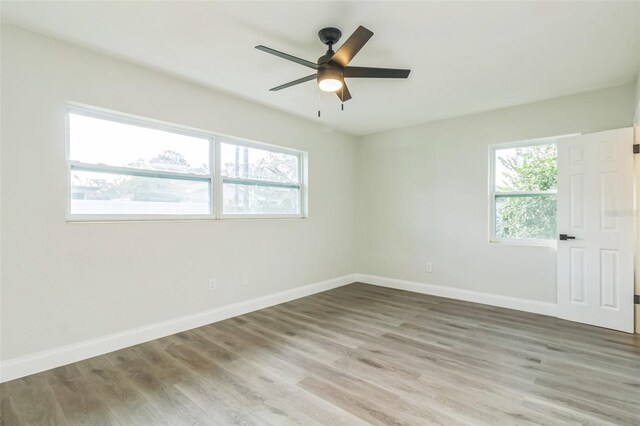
(332, 67)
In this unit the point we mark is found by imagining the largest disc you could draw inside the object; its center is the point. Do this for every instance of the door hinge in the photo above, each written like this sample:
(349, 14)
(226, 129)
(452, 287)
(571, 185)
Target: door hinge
(636, 148)
(636, 299)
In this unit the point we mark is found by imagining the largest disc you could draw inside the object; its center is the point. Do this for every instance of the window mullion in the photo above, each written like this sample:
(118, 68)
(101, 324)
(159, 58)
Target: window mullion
(301, 192)
(219, 197)
(213, 192)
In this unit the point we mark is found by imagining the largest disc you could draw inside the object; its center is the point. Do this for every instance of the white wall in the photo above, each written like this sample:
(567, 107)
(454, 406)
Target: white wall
(64, 283)
(422, 196)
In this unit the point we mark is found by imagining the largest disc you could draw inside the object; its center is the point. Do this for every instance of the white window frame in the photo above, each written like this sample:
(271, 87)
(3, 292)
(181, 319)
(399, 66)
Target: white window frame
(494, 195)
(214, 177)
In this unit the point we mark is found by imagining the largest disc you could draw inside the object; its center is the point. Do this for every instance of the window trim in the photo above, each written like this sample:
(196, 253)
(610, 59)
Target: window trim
(213, 177)
(493, 195)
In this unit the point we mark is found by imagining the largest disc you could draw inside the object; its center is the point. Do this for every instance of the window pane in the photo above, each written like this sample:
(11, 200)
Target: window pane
(252, 163)
(106, 193)
(100, 141)
(526, 217)
(258, 199)
(531, 168)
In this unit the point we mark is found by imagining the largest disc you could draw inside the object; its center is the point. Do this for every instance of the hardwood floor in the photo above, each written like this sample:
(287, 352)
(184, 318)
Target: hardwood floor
(355, 355)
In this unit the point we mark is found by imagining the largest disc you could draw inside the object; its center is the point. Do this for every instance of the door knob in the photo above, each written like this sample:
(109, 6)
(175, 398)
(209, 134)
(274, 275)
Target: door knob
(565, 237)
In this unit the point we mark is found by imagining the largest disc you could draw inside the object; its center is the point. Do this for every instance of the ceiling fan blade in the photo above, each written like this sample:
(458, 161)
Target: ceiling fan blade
(366, 72)
(288, 57)
(294, 82)
(347, 95)
(349, 48)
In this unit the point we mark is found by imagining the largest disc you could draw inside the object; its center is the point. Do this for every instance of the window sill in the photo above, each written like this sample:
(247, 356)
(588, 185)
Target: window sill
(259, 216)
(529, 243)
(154, 218)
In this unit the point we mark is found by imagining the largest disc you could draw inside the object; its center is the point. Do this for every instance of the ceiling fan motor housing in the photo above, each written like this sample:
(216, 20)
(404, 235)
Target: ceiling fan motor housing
(329, 35)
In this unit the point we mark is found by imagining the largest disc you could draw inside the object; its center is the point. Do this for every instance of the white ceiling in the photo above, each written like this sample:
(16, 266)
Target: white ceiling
(465, 57)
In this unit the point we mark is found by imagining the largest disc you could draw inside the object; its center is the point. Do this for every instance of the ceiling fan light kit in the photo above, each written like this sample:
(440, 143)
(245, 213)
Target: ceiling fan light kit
(332, 68)
(330, 80)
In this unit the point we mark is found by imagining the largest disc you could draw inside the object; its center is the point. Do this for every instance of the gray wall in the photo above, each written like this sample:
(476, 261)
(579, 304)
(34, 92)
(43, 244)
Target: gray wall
(423, 195)
(64, 283)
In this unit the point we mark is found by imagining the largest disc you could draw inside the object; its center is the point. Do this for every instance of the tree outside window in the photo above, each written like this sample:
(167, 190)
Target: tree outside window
(524, 192)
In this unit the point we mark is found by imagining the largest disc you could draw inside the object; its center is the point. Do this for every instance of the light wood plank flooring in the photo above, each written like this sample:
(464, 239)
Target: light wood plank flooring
(355, 355)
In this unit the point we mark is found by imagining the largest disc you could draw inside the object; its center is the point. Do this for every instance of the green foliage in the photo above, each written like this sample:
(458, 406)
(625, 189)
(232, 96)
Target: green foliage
(527, 169)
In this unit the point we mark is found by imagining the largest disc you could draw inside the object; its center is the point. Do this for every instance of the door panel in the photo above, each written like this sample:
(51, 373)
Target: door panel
(595, 205)
(608, 183)
(578, 275)
(609, 278)
(577, 201)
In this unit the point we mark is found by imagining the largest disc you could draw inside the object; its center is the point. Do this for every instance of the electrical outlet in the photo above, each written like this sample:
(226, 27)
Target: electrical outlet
(245, 279)
(429, 267)
(212, 284)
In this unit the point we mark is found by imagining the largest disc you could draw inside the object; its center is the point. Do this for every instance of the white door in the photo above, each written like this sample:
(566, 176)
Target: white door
(595, 205)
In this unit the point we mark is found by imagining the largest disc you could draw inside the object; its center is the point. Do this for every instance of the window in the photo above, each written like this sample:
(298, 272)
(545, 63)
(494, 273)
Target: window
(123, 168)
(259, 181)
(523, 191)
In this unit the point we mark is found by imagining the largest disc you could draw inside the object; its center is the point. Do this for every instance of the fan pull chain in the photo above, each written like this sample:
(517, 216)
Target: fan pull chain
(342, 95)
(318, 103)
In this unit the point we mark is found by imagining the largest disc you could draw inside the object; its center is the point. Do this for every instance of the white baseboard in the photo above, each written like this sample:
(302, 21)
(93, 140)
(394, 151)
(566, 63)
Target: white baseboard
(35, 363)
(526, 305)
